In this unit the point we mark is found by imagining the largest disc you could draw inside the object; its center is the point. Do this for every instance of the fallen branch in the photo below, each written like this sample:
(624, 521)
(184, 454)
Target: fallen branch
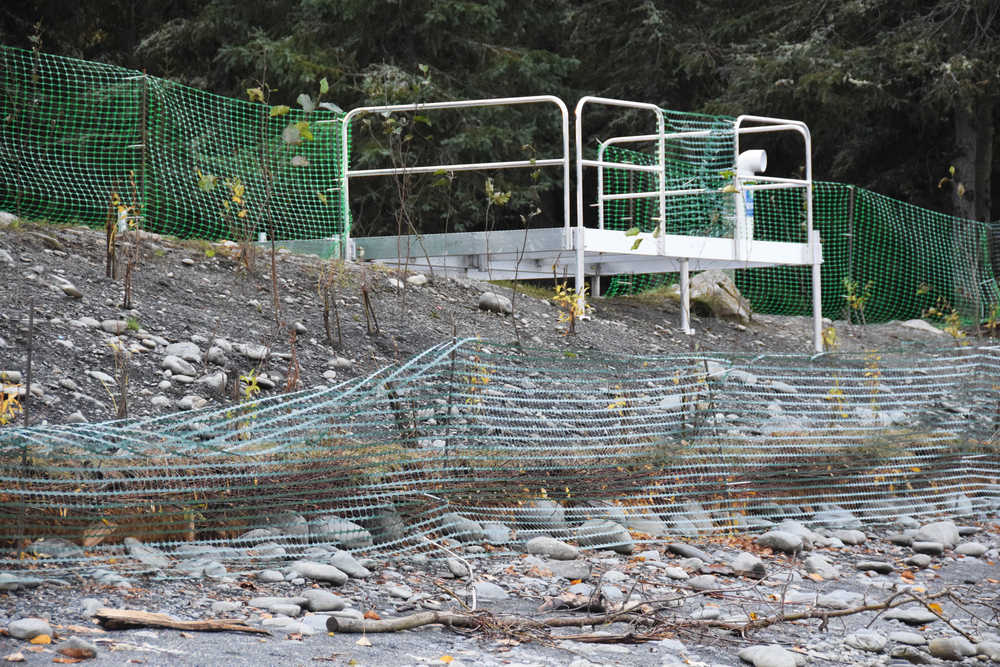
(760, 623)
(119, 619)
(469, 620)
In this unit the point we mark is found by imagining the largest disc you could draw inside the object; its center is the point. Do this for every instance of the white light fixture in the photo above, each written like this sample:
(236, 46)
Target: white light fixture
(751, 162)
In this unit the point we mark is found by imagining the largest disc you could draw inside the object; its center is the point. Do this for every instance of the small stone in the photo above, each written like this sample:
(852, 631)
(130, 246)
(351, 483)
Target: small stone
(974, 549)
(770, 656)
(489, 592)
(145, 554)
(339, 363)
(551, 547)
(399, 590)
(417, 280)
(951, 648)
(780, 540)
(908, 638)
(852, 537)
(931, 548)
(748, 565)
(214, 382)
(690, 551)
(223, 607)
(270, 576)
(348, 564)
(340, 532)
(115, 326)
(319, 572)
(912, 615)
(990, 650)
(76, 418)
(461, 528)
(943, 532)
(185, 350)
(496, 303)
(29, 628)
(457, 568)
(78, 649)
(161, 402)
(177, 365)
(290, 610)
(921, 561)
(265, 602)
(570, 569)
(322, 600)
(839, 599)
(873, 642)
(704, 582)
(251, 351)
(192, 402)
(875, 566)
(216, 355)
(676, 573)
(601, 533)
(71, 290)
(817, 564)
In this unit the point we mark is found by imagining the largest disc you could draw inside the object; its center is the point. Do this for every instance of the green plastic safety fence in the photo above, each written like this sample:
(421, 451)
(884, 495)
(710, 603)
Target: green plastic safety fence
(883, 259)
(540, 441)
(79, 138)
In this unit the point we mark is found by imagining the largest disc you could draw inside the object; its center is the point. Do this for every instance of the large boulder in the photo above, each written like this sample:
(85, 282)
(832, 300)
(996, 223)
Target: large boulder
(715, 292)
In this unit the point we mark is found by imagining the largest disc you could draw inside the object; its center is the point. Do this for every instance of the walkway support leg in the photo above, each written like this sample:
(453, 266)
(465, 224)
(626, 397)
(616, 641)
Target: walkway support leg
(686, 297)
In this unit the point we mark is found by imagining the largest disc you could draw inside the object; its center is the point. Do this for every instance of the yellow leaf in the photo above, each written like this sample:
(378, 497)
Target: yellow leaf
(41, 639)
(242, 213)
(446, 659)
(935, 607)
(815, 577)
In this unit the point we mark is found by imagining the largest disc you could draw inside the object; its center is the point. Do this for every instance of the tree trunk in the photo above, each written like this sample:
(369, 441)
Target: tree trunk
(973, 166)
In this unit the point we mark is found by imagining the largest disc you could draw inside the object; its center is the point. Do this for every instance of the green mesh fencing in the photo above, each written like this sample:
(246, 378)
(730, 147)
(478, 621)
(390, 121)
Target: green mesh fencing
(539, 441)
(73, 132)
(695, 162)
(903, 261)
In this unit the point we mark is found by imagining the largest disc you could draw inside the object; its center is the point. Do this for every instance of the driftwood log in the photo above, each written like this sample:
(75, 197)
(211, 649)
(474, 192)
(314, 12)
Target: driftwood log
(119, 619)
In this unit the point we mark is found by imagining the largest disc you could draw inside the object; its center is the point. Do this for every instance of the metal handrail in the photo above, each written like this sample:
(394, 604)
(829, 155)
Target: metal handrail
(347, 172)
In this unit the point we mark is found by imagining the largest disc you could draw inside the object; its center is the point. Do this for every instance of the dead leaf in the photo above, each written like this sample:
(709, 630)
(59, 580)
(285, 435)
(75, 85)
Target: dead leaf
(67, 661)
(15, 657)
(935, 607)
(79, 653)
(363, 641)
(906, 574)
(372, 615)
(446, 659)
(814, 576)
(294, 636)
(186, 635)
(41, 639)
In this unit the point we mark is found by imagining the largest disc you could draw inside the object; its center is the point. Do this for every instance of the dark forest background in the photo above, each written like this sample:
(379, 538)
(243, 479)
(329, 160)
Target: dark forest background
(896, 92)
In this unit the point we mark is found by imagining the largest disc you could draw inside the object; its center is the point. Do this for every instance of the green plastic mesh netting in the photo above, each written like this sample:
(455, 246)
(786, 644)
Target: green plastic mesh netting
(904, 261)
(535, 440)
(73, 132)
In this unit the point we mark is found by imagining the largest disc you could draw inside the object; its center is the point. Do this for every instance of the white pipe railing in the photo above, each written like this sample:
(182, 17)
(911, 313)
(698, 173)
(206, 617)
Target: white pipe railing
(347, 172)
